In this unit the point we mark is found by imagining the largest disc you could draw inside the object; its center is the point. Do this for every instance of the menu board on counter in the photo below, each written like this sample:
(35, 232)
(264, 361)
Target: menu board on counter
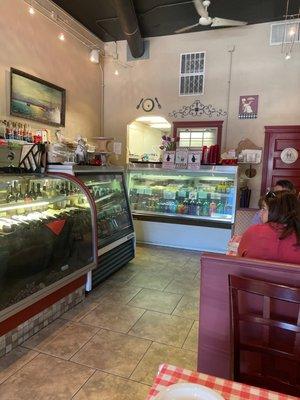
(168, 160)
(194, 159)
(181, 158)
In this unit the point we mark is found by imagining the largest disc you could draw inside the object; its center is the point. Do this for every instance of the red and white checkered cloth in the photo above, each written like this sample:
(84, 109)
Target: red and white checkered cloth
(168, 375)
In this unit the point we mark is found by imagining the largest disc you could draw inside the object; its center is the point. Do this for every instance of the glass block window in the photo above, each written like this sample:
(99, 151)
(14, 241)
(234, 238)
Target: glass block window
(191, 81)
(197, 138)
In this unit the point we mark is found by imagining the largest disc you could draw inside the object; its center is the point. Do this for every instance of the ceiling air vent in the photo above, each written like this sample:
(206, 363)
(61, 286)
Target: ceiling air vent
(191, 80)
(285, 32)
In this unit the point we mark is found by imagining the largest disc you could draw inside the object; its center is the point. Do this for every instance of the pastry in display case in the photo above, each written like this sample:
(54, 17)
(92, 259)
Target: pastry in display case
(46, 234)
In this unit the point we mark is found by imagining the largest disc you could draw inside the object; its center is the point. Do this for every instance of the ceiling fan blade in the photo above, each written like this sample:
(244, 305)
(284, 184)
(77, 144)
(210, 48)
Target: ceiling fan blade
(201, 10)
(187, 28)
(218, 22)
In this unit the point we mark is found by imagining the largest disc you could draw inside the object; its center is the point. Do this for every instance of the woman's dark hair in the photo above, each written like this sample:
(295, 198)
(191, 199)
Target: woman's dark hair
(284, 209)
(286, 185)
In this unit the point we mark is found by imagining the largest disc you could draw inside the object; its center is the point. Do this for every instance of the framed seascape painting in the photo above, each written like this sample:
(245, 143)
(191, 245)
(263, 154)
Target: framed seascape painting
(35, 99)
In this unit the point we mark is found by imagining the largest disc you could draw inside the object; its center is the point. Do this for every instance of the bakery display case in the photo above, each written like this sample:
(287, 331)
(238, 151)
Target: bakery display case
(204, 198)
(46, 235)
(115, 240)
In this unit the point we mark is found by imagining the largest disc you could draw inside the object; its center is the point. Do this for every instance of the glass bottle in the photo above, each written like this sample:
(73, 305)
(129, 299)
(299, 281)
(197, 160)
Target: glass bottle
(205, 208)
(27, 197)
(39, 193)
(32, 192)
(2, 129)
(62, 189)
(20, 195)
(212, 208)
(199, 208)
(10, 196)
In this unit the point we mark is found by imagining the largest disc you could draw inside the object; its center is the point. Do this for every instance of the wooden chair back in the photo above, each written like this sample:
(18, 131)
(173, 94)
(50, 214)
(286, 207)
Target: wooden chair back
(265, 344)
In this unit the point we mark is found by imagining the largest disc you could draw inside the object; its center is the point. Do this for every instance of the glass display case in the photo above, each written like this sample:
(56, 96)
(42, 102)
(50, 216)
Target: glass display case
(46, 234)
(183, 196)
(113, 214)
(115, 240)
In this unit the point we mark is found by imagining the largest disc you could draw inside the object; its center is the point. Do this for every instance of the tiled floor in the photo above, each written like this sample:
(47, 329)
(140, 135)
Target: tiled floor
(110, 346)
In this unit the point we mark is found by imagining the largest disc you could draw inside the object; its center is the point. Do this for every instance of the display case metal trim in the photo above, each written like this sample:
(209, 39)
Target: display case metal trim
(182, 221)
(35, 297)
(204, 168)
(117, 243)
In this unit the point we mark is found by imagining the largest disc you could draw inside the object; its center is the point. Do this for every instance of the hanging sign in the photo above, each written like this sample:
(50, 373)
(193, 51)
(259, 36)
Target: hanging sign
(289, 155)
(168, 160)
(194, 159)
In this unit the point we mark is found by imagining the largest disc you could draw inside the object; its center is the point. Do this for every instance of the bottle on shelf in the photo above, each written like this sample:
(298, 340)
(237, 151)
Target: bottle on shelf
(20, 195)
(27, 197)
(199, 208)
(32, 191)
(212, 208)
(10, 195)
(39, 193)
(205, 208)
(62, 190)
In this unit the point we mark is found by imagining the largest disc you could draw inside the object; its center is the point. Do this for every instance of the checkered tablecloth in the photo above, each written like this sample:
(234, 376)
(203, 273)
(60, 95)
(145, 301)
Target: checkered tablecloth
(168, 375)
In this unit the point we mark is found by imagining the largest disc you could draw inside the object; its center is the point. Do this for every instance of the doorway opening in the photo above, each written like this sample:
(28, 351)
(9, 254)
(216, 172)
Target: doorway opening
(144, 138)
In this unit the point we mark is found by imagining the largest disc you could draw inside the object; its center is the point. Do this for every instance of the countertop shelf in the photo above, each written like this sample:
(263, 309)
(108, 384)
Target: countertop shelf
(103, 138)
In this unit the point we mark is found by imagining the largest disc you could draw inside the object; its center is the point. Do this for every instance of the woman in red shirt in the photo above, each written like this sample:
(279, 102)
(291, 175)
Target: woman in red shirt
(278, 238)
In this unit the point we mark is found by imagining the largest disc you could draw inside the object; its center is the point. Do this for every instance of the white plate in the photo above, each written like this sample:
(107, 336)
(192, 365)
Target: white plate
(188, 391)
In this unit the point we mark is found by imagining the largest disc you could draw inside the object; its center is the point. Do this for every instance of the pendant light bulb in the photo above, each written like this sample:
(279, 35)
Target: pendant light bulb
(95, 56)
(61, 37)
(116, 72)
(292, 32)
(31, 10)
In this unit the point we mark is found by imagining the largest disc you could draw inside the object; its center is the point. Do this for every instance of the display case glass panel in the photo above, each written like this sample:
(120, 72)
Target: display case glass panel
(208, 194)
(45, 234)
(113, 212)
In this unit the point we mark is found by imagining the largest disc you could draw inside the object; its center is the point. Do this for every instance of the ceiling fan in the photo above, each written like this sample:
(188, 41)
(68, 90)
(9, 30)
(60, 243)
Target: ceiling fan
(206, 20)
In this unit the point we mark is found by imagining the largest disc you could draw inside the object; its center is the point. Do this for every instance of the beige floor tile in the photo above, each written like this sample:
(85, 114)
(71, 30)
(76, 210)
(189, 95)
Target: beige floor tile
(192, 266)
(188, 286)
(113, 352)
(198, 278)
(150, 281)
(65, 342)
(103, 386)
(47, 334)
(195, 257)
(79, 311)
(160, 259)
(191, 342)
(155, 300)
(123, 275)
(188, 307)
(120, 294)
(47, 378)
(98, 292)
(162, 328)
(158, 354)
(14, 360)
(113, 316)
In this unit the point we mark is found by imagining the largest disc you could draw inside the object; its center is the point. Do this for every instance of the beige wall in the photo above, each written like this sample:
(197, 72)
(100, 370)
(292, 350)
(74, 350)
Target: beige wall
(143, 139)
(257, 68)
(30, 44)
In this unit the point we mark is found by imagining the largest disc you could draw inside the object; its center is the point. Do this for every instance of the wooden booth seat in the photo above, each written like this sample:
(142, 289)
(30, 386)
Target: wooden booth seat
(217, 340)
